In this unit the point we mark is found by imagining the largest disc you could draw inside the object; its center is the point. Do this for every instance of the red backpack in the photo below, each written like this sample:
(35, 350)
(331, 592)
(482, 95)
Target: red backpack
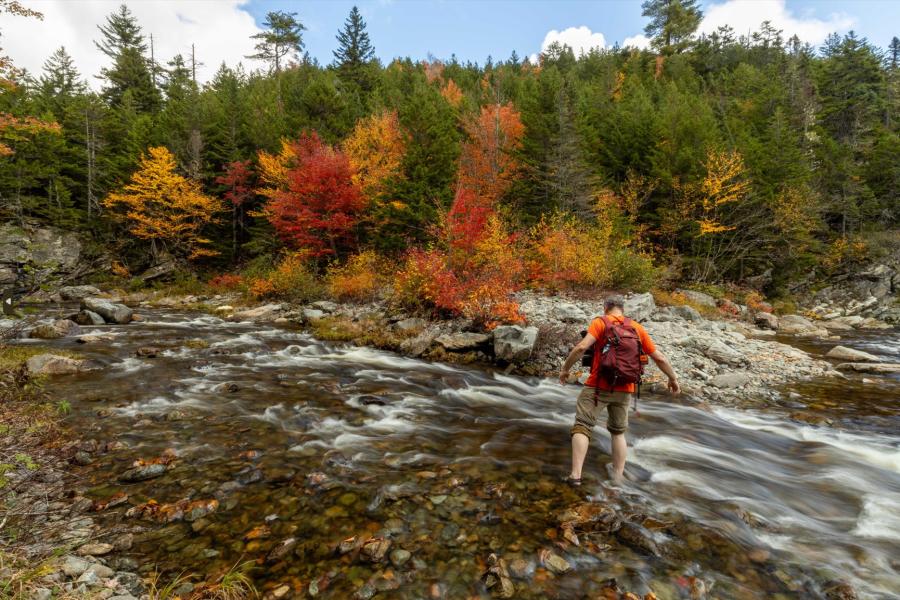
(619, 359)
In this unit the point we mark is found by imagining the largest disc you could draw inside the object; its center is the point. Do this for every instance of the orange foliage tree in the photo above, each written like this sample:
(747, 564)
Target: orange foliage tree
(313, 203)
(725, 183)
(165, 208)
(487, 165)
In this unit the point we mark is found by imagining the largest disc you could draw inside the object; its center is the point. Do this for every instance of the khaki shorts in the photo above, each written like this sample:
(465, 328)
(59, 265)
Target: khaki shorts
(586, 411)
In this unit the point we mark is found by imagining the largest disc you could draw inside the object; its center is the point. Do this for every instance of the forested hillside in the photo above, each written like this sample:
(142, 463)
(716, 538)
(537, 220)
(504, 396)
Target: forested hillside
(718, 158)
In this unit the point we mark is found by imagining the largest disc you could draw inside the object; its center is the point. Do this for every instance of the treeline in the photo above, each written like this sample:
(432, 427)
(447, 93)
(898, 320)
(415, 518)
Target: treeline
(723, 157)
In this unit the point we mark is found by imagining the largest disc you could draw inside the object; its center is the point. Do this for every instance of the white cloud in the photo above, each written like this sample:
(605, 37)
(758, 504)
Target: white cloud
(580, 39)
(639, 41)
(747, 15)
(219, 29)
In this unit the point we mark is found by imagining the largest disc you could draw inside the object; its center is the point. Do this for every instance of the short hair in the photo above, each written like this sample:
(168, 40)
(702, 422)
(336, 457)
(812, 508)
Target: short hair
(614, 302)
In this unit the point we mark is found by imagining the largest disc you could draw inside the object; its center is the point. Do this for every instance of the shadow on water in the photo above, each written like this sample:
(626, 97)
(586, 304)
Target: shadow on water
(305, 441)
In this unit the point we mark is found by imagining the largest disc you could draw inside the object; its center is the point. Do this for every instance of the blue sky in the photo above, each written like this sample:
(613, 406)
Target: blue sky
(475, 29)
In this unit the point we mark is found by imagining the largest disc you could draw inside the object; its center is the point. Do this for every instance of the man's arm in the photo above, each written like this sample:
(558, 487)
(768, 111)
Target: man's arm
(574, 356)
(666, 367)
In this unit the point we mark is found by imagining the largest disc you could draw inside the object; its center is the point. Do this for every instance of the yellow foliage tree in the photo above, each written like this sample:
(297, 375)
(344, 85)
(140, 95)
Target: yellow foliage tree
(725, 183)
(165, 208)
(273, 169)
(375, 149)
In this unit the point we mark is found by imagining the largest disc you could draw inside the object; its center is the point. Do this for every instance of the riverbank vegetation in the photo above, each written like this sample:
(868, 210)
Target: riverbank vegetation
(720, 158)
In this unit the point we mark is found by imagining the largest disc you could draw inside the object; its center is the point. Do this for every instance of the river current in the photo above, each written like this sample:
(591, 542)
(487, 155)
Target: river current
(317, 443)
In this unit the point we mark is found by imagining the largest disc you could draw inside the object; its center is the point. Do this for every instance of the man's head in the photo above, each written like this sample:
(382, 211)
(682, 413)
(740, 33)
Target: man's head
(613, 304)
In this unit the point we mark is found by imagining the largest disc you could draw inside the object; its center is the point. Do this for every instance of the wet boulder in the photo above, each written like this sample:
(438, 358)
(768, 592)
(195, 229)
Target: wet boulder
(110, 311)
(88, 317)
(851, 355)
(876, 368)
(55, 330)
(513, 343)
(839, 590)
(638, 538)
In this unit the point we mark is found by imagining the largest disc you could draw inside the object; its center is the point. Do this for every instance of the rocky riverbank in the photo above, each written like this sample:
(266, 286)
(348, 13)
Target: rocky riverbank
(726, 354)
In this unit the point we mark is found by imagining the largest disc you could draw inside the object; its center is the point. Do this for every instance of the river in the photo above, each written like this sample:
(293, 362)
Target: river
(316, 443)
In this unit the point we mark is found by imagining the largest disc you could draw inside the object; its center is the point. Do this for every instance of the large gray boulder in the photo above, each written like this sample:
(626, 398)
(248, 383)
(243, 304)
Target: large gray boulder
(259, 313)
(765, 320)
(77, 292)
(640, 306)
(715, 350)
(110, 311)
(462, 342)
(851, 355)
(730, 380)
(699, 298)
(88, 317)
(797, 325)
(867, 367)
(513, 343)
(688, 313)
(568, 313)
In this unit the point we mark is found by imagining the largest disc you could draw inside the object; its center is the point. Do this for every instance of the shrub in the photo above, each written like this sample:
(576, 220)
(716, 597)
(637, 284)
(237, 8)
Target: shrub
(226, 282)
(359, 279)
(567, 252)
(426, 281)
(290, 280)
(632, 270)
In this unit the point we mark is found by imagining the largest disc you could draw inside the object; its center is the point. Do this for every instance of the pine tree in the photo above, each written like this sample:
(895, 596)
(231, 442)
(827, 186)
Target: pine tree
(672, 23)
(283, 38)
(123, 42)
(60, 77)
(180, 119)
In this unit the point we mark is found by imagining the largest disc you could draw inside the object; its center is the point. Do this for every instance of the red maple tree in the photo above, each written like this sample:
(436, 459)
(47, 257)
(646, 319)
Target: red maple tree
(318, 206)
(237, 179)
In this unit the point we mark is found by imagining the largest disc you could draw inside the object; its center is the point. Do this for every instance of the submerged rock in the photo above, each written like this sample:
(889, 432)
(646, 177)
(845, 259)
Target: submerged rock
(375, 549)
(143, 473)
(554, 563)
(496, 578)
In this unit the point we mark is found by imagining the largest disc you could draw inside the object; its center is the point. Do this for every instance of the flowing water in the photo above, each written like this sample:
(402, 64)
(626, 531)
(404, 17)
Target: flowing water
(316, 442)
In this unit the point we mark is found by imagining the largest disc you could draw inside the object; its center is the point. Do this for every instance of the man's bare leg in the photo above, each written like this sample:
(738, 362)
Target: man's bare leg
(619, 451)
(580, 444)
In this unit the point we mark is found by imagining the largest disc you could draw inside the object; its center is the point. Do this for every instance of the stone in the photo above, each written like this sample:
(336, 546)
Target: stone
(688, 313)
(399, 557)
(143, 473)
(555, 563)
(851, 355)
(325, 305)
(411, 324)
(8, 275)
(698, 298)
(58, 329)
(54, 364)
(102, 571)
(513, 343)
(866, 367)
(41, 593)
(851, 320)
(92, 338)
(312, 314)
(110, 311)
(375, 549)
(461, 342)
(798, 325)
(568, 313)
(839, 590)
(77, 292)
(637, 537)
(418, 345)
(95, 549)
(259, 313)
(730, 380)
(73, 566)
(640, 306)
(88, 317)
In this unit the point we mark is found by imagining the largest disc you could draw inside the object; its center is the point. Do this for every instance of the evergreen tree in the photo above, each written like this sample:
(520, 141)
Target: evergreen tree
(283, 38)
(672, 23)
(355, 51)
(60, 78)
(123, 42)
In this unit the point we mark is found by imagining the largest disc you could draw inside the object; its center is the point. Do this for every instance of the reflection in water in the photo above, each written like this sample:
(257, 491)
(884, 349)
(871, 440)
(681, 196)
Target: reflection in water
(455, 463)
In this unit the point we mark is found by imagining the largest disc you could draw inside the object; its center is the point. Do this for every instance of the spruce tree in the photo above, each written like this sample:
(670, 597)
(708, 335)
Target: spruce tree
(354, 50)
(60, 77)
(123, 42)
(672, 23)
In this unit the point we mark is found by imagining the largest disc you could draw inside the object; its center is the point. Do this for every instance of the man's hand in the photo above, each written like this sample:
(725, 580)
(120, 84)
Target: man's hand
(564, 377)
(674, 387)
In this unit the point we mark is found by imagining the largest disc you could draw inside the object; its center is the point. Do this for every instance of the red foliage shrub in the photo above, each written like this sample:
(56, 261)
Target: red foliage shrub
(226, 282)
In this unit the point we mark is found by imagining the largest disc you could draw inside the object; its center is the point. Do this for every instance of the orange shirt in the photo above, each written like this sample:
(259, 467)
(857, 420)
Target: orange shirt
(596, 330)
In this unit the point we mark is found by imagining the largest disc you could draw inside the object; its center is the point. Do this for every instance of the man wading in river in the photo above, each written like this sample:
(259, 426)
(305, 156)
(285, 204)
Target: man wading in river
(616, 372)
